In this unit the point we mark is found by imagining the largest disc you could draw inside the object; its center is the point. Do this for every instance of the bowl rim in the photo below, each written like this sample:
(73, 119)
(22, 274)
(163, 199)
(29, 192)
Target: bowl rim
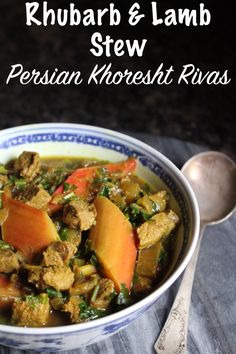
(151, 298)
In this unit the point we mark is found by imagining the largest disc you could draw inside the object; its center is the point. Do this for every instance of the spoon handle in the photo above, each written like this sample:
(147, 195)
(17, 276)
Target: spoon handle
(173, 337)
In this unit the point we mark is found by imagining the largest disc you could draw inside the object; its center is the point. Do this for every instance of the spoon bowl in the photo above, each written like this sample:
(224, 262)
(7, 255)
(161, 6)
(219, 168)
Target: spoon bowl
(212, 176)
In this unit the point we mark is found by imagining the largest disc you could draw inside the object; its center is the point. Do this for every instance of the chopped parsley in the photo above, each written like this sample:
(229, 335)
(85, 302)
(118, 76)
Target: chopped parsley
(76, 260)
(17, 183)
(104, 179)
(95, 293)
(163, 258)
(155, 207)
(63, 233)
(135, 278)
(68, 187)
(93, 260)
(123, 297)
(89, 313)
(51, 292)
(50, 181)
(5, 246)
(136, 214)
(104, 191)
(35, 300)
(20, 183)
(69, 197)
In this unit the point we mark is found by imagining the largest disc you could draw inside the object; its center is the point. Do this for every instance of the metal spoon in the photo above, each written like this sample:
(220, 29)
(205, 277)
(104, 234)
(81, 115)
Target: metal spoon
(212, 176)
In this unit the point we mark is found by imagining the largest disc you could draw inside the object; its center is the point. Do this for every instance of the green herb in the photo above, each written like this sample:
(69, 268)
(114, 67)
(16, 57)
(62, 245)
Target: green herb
(135, 278)
(78, 261)
(155, 207)
(95, 293)
(136, 214)
(3, 170)
(47, 187)
(163, 258)
(51, 292)
(84, 250)
(69, 187)
(12, 179)
(101, 176)
(132, 211)
(34, 301)
(93, 260)
(5, 246)
(145, 215)
(50, 181)
(112, 295)
(39, 178)
(66, 186)
(123, 297)
(102, 170)
(104, 179)
(63, 234)
(68, 196)
(20, 183)
(104, 191)
(89, 313)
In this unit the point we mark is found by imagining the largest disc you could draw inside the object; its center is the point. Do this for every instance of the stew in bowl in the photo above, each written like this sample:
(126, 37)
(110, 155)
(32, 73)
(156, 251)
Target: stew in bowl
(80, 239)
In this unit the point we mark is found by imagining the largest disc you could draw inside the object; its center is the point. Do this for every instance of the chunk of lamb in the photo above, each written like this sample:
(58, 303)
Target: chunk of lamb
(84, 287)
(9, 291)
(28, 164)
(74, 236)
(31, 312)
(40, 199)
(32, 195)
(155, 202)
(104, 295)
(59, 253)
(72, 307)
(35, 275)
(154, 229)
(79, 214)
(8, 261)
(161, 199)
(60, 278)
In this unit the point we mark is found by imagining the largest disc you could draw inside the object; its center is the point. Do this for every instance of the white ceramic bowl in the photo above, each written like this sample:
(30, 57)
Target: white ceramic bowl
(88, 141)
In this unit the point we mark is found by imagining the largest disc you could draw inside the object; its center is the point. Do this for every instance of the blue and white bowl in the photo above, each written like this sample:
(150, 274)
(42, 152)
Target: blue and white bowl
(74, 140)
